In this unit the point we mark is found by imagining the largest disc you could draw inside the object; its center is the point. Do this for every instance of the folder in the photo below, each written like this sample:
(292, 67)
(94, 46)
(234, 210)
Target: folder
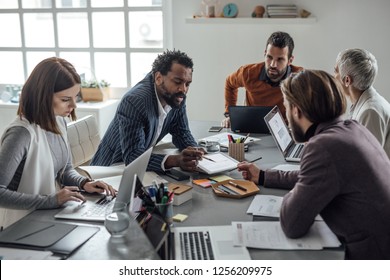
(59, 238)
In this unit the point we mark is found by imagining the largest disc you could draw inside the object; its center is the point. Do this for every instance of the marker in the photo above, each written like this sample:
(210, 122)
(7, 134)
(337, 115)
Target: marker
(237, 186)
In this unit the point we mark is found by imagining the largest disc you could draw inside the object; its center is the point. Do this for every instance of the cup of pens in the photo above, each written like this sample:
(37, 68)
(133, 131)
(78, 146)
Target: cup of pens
(237, 151)
(166, 210)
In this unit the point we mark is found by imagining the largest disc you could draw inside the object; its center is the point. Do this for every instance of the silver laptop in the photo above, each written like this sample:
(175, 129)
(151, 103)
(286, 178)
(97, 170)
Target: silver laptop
(291, 151)
(94, 208)
(207, 243)
(248, 119)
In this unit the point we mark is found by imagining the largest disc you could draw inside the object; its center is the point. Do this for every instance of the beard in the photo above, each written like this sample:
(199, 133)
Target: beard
(296, 131)
(172, 98)
(275, 76)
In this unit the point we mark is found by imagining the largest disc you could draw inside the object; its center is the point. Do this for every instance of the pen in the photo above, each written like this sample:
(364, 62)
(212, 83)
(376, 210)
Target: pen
(237, 186)
(256, 159)
(246, 138)
(208, 158)
(222, 190)
(227, 189)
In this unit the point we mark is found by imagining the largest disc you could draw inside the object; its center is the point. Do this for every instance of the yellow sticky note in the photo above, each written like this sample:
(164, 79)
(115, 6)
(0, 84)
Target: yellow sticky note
(180, 217)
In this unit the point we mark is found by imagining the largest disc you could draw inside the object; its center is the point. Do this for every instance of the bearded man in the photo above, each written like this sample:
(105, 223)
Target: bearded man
(150, 110)
(262, 80)
(344, 172)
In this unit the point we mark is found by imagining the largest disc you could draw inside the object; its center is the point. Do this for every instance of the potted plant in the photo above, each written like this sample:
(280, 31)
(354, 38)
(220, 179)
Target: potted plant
(92, 90)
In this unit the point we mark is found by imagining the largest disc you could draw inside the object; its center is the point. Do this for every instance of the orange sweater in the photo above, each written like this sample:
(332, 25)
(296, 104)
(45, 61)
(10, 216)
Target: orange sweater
(257, 92)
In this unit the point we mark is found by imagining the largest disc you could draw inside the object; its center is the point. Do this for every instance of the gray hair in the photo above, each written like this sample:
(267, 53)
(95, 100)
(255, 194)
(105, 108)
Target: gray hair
(358, 64)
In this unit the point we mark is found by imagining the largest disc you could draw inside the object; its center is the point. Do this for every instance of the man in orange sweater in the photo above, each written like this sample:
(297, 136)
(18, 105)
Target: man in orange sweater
(261, 80)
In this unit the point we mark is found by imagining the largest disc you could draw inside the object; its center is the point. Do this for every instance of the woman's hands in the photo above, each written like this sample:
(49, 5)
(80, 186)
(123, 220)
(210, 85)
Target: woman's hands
(99, 187)
(72, 193)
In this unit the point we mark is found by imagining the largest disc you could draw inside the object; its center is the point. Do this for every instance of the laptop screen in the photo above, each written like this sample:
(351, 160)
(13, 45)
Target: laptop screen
(278, 128)
(136, 167)
(248, 119)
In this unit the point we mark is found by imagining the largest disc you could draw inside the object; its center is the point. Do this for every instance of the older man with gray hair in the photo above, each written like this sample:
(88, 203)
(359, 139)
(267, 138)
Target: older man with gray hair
(356, 69)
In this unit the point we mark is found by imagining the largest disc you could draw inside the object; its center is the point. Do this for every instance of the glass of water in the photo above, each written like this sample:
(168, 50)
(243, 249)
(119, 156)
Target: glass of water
(117, 219)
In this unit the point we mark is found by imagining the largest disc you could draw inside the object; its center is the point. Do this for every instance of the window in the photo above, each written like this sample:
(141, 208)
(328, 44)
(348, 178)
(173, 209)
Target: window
(114, 40)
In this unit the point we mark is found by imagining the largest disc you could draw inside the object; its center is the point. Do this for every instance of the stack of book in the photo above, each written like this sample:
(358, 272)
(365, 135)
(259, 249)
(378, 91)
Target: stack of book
(282, 11)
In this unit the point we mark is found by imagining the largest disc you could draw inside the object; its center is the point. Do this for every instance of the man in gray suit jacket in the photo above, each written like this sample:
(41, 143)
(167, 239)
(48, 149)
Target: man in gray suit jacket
(150, 110)
(344, 173)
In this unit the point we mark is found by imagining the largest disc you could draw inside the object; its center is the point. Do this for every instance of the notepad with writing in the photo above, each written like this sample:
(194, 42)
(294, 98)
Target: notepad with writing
(215, 163)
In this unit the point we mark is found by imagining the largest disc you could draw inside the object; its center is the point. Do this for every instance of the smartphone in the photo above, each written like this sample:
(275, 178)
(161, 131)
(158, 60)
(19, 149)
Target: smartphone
(177, 175)
(215, 129)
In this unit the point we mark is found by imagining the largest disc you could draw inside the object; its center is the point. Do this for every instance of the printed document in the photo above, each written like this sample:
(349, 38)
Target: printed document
(268, 206)
(269, 235)
(265, 205)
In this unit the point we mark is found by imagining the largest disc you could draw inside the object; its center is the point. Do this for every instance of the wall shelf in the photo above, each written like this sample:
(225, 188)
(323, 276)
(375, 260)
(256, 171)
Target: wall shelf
(250, 20)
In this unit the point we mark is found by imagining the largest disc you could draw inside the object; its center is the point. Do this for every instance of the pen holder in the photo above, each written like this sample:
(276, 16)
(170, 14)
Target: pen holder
(166, 211)
(236, 151)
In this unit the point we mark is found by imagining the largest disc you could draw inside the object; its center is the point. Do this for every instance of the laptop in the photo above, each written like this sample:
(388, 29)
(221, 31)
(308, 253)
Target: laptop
(249, 119)
(207, 243)
(291, 151)
(94, 208)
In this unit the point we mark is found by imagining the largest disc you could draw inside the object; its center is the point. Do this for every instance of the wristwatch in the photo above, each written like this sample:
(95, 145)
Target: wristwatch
(226, 114)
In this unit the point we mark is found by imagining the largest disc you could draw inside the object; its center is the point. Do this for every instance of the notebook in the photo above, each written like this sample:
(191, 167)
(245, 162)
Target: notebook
(248, 119)
(207, 243)
(216, 163)
(94, 209)
(291, 151)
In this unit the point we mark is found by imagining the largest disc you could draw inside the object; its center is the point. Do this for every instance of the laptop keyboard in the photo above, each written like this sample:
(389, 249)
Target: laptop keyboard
(296, 153)
(100, 208)
(196, 246)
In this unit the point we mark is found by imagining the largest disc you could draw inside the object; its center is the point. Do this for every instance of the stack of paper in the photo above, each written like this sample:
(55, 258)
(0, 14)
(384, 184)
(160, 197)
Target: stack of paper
(223, 140)
(269, 235)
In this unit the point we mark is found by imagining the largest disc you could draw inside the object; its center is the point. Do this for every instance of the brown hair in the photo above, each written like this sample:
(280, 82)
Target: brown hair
(36, 102)
(317, 94)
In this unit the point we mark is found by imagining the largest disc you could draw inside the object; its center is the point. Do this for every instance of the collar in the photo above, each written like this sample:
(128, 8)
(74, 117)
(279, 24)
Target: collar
(363, 98)
(264, 77)
(310, 131)
(161, 110)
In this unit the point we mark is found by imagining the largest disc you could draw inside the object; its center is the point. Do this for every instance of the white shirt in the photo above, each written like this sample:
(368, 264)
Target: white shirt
(162, 115)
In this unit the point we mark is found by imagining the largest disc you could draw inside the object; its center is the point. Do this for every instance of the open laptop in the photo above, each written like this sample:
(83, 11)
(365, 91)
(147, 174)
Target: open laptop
(291, 151)
(94, 208)
(207, 243)
(248, 119)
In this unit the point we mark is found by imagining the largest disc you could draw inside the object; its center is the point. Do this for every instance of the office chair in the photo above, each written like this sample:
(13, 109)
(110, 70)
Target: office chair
(84, 139)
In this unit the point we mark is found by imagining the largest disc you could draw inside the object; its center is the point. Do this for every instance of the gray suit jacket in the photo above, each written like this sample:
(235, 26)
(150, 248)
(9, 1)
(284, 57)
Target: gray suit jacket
(373, 111)
(134, 128)
(345, 177)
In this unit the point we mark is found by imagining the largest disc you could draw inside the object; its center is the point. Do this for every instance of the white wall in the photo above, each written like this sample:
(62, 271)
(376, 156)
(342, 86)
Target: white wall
(219, 49)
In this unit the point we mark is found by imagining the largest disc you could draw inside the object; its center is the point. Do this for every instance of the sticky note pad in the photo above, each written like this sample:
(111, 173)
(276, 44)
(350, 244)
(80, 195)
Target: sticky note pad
(220, 178)
(180, 217)
(205, 183)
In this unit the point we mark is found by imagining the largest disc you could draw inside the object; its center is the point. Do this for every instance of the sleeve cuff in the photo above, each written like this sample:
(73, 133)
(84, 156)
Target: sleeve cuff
(86, 180)
(261, 178)
(163, 162)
